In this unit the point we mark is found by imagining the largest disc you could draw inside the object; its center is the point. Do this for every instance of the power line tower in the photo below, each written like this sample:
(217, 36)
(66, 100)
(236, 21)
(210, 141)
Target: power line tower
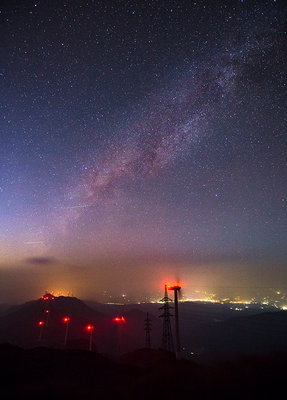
(167, 341)
(147, 328)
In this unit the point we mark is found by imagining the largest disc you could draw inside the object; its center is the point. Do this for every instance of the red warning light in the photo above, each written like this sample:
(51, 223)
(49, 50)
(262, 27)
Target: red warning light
(41, 323)
(89, 328)
(176, 286)
(66, 319)
(119, 319)
(48, 296)
(47, 311)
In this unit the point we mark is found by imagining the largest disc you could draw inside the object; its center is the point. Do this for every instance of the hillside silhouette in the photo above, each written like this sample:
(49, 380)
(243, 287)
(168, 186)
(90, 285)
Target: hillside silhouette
(209, 333)
(45, 373)
(19, 325)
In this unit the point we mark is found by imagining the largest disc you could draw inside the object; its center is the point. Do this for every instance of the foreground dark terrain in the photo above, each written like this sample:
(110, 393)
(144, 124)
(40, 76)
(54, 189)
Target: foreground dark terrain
(225, 354)
(44, 373)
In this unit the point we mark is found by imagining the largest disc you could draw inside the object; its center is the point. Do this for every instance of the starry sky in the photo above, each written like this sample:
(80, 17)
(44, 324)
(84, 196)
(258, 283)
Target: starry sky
(140, 141)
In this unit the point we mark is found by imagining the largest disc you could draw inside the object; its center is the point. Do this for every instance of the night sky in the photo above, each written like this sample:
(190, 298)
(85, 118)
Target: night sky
(142, 141)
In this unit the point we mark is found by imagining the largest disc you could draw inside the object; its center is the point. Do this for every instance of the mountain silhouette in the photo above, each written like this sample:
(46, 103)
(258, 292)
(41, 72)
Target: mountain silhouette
(19, 326)
(208, 332)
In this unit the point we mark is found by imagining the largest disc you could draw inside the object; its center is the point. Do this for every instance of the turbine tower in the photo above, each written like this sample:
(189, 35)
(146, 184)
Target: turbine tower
(176, 288)
(167, 342)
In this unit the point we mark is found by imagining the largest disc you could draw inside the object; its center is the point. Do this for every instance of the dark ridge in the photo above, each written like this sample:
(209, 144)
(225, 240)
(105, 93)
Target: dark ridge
(45, 373)
(207, 334)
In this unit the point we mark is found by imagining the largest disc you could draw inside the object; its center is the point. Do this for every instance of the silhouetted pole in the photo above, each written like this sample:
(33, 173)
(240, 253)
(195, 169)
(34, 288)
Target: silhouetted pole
(119, 334)
(47, 314)
(41, 326)
(91, 341)
(90, 329)
(119, 327)
(176, 289)
(66, 321)
(176, 323)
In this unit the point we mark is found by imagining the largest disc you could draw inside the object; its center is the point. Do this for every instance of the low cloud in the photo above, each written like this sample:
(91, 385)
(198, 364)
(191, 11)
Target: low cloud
(41, 260)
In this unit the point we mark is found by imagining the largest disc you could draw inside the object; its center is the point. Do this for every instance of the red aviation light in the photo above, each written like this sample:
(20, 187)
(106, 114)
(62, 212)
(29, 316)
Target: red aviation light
(41, 323)
(176, 286)
(89, 328)
(48, 296)
(47, 311)
(119, 319)
(66, 320)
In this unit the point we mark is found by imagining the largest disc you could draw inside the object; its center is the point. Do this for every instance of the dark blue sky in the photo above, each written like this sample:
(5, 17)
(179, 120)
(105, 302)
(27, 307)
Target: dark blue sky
(142, 137)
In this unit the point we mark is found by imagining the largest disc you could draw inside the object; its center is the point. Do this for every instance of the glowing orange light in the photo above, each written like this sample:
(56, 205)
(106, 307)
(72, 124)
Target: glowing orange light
(176, 286)
(40, 323)
(47, 311)
(89, 328)
(66, 319)
(119, 319)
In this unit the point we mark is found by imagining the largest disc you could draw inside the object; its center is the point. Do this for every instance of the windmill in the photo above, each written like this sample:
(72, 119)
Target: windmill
(66, 321)
(176, 289)
(120, 321)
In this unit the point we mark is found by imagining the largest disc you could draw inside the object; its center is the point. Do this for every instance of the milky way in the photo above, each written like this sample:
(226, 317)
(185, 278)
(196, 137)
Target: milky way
(141, 134)
(171, 123)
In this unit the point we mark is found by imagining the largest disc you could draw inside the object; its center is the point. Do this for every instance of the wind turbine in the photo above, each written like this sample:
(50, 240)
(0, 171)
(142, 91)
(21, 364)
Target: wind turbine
(176, 289)
(66, 321)
(90, 329)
